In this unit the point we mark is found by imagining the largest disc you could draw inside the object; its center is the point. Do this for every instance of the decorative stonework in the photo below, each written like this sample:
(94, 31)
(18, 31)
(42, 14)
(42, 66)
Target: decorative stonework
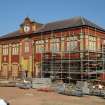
(29, 26)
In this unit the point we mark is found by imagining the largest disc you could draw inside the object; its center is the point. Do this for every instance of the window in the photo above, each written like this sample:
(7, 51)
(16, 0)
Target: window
(40, 46)
(62, 44)
(15, 49)
(5, 49)
(92, 43)
(46, 46)
(72, 43)
(68, 46)
(54, 45)
(26, 50)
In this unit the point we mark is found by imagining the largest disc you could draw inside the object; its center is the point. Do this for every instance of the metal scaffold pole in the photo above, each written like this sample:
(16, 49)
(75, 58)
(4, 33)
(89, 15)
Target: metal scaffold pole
(52, 58)
(69, 63)
(88, 69)
(81, 61)
(102, 57)
(61, 60)
(41, 55)
(96, 58)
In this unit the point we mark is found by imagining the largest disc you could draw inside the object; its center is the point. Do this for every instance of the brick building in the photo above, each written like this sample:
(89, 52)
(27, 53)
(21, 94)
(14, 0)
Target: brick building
(66, 49)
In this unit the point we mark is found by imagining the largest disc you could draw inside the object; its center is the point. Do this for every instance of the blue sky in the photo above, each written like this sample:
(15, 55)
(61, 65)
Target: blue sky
(13, 12)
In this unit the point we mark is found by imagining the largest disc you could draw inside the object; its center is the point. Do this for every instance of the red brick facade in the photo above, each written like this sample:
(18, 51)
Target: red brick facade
(31, 50)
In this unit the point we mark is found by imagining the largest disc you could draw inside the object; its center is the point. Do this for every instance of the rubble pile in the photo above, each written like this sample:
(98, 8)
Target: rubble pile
(80, 89)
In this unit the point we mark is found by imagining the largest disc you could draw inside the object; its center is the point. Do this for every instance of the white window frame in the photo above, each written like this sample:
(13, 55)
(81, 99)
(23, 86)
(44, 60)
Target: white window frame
(40, 46)
(92, 43)
(55, 45)
(5, 49)
(26, 47)
(72, 43)
(15, 49)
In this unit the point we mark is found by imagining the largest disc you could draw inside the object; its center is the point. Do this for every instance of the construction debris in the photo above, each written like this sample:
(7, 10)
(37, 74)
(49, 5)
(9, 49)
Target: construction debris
(7, 83)
(97, 90)
(80, 89)
(83, 85)
(67, 89)
(24, 85)
(39, 83)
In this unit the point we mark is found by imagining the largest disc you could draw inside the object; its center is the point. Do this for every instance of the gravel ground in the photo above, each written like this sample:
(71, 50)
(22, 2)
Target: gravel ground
(16, 96)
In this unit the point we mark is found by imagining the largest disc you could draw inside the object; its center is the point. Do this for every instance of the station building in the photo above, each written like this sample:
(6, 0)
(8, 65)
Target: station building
(65, 49)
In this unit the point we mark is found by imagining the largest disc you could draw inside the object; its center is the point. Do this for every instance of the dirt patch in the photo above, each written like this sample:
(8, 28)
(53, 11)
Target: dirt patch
(18, 96)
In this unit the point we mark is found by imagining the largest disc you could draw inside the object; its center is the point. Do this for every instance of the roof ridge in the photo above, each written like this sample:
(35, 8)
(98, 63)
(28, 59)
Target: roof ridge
(66, 19)
(83, 20)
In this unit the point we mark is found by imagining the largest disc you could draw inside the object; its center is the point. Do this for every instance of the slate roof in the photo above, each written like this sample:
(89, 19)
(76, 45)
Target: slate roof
(63, 24)
(12, 34)
(69, 23)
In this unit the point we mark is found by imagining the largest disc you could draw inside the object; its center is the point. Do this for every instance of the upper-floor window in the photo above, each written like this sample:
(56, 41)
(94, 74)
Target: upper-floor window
(15, 49)
(92, 43)
(26, 47)
(5, 49)
(72, 43)
(62, 44)
(55, 45)
(46, 45)
(40, 46)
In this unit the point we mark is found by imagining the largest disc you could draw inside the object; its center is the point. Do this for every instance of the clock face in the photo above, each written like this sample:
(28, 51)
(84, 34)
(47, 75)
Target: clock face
(26, 28)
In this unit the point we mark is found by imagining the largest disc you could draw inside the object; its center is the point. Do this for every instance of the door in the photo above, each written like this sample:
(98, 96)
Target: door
(4, 73)
(15, 69)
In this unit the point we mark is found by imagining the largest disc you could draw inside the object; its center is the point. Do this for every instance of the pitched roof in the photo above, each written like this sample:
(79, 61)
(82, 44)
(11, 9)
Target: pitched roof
(69, 23)
(12, 34)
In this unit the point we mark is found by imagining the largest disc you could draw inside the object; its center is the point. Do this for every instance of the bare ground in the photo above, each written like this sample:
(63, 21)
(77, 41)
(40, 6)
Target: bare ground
(16, 96)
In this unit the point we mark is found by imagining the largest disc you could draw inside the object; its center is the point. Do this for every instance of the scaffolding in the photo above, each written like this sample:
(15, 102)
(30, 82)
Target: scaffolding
(89, 65)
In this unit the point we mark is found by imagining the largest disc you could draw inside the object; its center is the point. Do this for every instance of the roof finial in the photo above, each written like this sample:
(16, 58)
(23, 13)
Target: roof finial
(27, 18)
